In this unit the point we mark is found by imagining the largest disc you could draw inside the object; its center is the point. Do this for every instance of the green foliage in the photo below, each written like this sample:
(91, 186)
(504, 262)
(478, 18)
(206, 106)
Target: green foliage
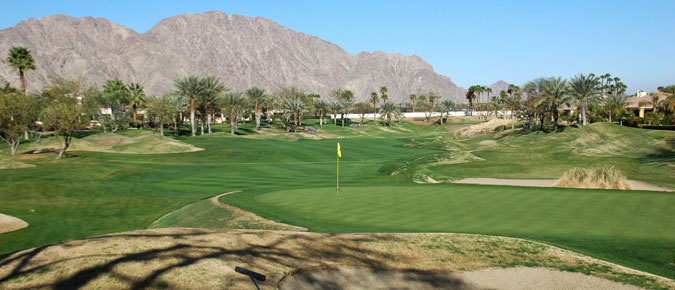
(17, 112)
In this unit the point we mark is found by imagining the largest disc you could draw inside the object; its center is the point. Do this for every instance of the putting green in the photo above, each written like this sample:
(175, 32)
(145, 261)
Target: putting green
(634, 228)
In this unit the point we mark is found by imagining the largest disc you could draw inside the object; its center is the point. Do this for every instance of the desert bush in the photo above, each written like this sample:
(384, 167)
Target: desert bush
(609, 177)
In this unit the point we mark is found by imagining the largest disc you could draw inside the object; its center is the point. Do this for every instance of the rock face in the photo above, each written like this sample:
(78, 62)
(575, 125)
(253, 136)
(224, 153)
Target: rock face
(242, 51)
(498, 87)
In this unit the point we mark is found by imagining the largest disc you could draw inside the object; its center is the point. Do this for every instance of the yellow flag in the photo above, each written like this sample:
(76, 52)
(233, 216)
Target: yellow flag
(339, 152)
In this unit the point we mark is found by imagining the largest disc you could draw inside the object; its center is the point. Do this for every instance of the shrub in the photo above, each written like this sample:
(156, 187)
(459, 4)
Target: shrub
(657, 127)
(608, 177)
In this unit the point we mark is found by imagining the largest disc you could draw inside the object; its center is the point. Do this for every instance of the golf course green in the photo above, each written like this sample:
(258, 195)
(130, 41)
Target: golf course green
(290, 177)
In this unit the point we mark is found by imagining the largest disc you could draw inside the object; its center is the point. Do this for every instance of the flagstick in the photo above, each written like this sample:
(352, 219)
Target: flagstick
(337, 189)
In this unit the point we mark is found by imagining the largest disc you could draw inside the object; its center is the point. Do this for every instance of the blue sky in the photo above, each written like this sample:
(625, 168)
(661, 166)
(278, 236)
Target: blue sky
(472, 42)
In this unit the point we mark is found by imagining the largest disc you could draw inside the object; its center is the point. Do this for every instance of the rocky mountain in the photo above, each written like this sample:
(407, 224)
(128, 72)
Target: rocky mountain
(497, 87)
(242, 51)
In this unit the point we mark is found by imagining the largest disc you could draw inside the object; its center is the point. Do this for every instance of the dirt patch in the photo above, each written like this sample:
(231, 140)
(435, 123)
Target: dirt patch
(519, 278)
(635, 185)
(178, 258)
(10, 223)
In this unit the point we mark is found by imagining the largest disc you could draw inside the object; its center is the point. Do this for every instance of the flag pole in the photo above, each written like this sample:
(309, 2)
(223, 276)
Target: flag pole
(337, 189)
(337, 184)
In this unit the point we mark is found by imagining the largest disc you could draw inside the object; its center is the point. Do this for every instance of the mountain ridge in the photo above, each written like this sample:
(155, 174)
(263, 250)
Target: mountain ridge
(243, 51)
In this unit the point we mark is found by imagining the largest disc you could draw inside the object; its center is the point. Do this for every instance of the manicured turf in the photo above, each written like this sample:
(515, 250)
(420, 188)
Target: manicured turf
(95, 193)
(634, 228)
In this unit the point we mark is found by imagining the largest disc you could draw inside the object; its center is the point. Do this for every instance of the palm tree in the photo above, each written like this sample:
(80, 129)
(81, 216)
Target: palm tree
(256, 94)
(294, 106)
(346, 108)
(335, 106)
(556, 93)
(388, 109)
(213, 89)
(178, 106)
(190, 87)
(374, 99)
(136, 96)
(383, 94)
(616, 103)
(446, 107)
(413, 98)
(514, 102)
(503, 96)
(432, 98)
(471, 96)
(232, 100)
(321, 107)
(583, 88)
(21, 60)
(512, 90)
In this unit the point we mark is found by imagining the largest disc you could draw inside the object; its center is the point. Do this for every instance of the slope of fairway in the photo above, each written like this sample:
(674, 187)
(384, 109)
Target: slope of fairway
(633, 228)
(643, 155)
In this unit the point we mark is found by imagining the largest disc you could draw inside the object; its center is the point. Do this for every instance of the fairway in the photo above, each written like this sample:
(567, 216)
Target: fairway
(290, 177)
(634, 228)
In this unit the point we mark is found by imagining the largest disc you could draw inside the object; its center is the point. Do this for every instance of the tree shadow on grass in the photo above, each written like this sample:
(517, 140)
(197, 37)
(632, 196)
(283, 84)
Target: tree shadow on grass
(269, 255)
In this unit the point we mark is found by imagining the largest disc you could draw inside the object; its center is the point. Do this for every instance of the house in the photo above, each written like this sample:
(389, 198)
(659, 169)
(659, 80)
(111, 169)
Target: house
(640, 103)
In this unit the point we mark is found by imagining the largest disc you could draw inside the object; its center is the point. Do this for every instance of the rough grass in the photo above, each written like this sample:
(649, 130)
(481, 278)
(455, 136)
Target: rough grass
(145, 143)
(481, 128)
(608, 177)
(205, 259)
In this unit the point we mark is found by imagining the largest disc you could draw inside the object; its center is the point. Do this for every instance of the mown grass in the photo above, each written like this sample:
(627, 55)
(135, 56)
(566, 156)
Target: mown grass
(633, 228)
(290, 180)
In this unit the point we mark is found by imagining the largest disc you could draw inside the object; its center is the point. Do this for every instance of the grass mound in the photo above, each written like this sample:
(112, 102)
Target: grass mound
(109, 142)
(608, 177)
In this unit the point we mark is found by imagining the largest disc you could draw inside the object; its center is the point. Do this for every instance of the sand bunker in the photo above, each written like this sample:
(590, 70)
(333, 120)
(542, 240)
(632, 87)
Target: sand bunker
(635, 185)
(10, 223)
(511, 278)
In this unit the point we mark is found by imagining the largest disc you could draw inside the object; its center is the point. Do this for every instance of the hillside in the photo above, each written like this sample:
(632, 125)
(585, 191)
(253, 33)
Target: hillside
(242, 51)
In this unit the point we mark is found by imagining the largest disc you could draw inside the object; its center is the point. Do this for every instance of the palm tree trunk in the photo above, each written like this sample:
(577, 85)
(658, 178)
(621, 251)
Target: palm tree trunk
(413, 106)
(208, 122)
(320, 119)
(342, 118)
(192, 116)
(583, 112)
(22, 75)
(201, 124)
(134, 113)
(334, 118)
(374, 111)
(175, 127)
(389, 119)
(232, 121)
(295, 121)
(161, 128)
(257, 117)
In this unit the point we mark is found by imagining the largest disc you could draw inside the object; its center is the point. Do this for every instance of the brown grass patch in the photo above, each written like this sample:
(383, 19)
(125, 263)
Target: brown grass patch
(609, 177)
(200, 259)
(482, 128)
